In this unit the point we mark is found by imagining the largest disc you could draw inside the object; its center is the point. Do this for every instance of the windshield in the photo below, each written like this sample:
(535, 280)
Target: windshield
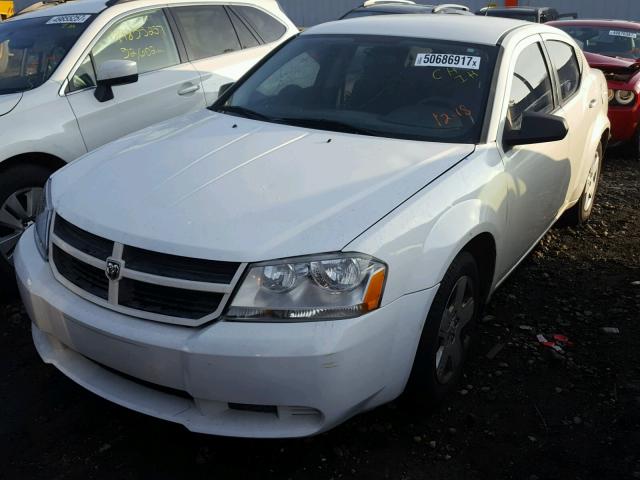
(408, 88)
(32, 48)
(613, 42)
(528, 17)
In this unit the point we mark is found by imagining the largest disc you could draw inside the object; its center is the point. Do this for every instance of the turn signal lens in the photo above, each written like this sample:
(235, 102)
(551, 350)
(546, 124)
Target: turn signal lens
(611, 94)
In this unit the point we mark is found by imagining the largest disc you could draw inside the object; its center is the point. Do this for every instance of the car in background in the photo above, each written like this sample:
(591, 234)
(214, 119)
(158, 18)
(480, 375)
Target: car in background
(394, 7)
(529, 14)
(326, 234)
(77, 75)
(613, 46)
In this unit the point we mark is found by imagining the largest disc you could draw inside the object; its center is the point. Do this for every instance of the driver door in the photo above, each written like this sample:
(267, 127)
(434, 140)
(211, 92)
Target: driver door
(166, 87)
(538, 175)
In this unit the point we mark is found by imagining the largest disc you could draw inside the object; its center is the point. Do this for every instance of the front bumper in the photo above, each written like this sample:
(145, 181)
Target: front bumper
(234, 379)
(624, 122)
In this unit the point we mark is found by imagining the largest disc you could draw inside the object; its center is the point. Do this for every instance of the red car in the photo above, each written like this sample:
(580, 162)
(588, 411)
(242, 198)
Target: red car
(613, 46)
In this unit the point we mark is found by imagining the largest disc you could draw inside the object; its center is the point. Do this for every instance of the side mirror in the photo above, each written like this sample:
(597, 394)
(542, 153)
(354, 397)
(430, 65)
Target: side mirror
(537, 128)
(223, 89)
(114, 72)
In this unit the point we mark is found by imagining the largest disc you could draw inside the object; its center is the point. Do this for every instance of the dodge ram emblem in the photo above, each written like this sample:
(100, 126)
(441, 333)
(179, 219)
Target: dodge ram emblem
(113, 269)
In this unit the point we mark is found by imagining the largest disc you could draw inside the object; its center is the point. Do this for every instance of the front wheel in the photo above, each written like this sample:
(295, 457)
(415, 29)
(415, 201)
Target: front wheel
(447, 334)
(581, 211)
(21, 191)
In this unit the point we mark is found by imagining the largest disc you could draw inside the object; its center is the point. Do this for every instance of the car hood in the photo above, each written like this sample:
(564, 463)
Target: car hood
(8, 102)
(215, 186)
(613, 65)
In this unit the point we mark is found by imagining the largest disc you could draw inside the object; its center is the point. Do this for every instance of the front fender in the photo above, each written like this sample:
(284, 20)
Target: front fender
(420, 238)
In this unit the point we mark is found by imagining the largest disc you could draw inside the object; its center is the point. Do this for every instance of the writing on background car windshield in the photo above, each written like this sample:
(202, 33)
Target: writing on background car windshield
(621, 33)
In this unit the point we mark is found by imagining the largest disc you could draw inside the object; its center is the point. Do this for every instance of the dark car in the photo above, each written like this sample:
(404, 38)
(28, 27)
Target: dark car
(393, 7)
(530, 14)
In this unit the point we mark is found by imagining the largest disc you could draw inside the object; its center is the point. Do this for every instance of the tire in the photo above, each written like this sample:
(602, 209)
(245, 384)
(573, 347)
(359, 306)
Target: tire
(16, 183)
(581, 211)
(632, 148)
(439, 361)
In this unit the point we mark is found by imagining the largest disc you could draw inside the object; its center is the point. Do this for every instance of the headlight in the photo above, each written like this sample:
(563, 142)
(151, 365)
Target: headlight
(611, 94)
(326, 287)
(625, 97)
(43, 222)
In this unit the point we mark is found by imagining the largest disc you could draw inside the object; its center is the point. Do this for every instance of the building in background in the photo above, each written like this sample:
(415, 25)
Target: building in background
(306, 13)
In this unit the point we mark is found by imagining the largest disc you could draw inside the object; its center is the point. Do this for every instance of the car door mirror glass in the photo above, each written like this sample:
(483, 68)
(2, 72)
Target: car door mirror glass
(537, 128)
(114, 72)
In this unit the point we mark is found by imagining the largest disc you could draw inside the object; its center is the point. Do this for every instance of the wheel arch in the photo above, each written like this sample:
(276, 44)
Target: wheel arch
(34, 158)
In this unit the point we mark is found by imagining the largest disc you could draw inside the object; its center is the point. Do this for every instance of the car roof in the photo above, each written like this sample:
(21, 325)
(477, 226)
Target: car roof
(96, 6)
(472, 29)
(596, 23)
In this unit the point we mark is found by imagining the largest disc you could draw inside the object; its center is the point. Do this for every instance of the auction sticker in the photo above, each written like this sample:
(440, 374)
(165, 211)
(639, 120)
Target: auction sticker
(447, 60)
(620, 33)
(68, 19)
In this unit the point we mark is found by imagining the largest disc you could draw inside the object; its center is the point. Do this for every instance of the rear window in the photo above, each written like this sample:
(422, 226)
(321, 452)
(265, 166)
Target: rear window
(267, 27)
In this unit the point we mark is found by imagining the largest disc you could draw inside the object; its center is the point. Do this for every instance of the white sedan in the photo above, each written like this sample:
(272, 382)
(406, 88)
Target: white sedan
(325, 235)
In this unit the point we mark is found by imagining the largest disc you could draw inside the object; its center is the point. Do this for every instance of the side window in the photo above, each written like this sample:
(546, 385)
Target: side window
(144, 38)
(84, 77)
(247, 39)
(264, 24)
(566, 63)
(531, 86)
(206, 30)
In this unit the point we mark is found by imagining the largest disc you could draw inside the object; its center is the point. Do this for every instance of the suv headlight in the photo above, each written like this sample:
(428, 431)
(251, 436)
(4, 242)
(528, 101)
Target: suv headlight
(43, 222)
(325, 287)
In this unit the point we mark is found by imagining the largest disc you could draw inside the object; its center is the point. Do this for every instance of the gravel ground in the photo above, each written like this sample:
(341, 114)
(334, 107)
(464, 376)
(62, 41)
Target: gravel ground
(523, 411)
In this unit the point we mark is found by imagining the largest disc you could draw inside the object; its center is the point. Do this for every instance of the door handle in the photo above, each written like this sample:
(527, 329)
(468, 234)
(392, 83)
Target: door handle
(593, 103)
(189, 89)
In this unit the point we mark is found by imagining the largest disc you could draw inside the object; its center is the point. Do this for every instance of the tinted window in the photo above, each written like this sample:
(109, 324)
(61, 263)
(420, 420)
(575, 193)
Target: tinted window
(531, 86)
(411, 88)
(526, 16)
(206, 31)
(566, 63)
(362, 13)
(247, 39)
(264, 24)
(31, 49)
(144, 38)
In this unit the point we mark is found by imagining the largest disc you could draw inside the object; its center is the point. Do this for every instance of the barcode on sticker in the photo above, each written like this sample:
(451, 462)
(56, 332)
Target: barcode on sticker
(620, 33)
(68, 19)
(448, 60)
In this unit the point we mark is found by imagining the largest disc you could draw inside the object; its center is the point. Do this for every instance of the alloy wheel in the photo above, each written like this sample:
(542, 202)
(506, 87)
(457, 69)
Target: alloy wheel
(452, 334)
(17, 213)
(592, 184)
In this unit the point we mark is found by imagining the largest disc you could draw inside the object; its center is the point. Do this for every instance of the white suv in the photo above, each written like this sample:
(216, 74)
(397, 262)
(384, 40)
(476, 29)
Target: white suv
(78, 75)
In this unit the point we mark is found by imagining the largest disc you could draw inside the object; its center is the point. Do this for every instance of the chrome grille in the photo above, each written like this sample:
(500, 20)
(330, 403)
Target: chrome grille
(150, 285)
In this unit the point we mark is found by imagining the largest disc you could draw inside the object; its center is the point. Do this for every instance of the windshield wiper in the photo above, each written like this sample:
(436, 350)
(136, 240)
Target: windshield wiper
(243, 112)
(334, 125)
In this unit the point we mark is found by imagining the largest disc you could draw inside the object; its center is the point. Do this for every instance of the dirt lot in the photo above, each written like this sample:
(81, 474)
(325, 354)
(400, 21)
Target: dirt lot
(525, 413)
